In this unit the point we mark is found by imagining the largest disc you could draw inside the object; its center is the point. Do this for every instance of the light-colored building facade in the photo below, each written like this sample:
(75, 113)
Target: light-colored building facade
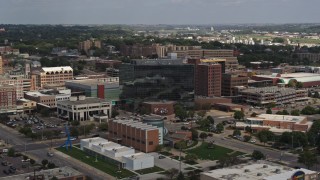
(53, 76)
(82, 108)
(278, 95)
(48, 97)
(126, 156)
(276, 123)
(260, 170)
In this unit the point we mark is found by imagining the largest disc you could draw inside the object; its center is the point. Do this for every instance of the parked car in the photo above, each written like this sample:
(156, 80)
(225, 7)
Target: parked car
(162, 157)
(73, 138)
(50, 154)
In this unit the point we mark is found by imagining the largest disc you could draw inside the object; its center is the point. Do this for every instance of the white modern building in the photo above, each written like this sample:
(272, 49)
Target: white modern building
(82, 109)
(261, 170)
(104, 149)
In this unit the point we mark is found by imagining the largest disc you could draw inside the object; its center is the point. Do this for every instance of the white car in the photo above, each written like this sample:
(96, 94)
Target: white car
(253, 141)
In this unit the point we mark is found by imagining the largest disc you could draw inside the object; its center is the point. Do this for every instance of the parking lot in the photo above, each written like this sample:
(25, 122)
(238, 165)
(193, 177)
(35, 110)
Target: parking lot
(14, 165)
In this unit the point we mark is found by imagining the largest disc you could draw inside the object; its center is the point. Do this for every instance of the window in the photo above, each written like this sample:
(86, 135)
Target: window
(150, 142)
(138, 140)
(143, 142)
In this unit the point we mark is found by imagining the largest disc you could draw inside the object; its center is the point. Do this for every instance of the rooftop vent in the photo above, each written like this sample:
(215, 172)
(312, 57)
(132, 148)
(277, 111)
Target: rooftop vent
(246, 170)
(259, 174)
(265, 166)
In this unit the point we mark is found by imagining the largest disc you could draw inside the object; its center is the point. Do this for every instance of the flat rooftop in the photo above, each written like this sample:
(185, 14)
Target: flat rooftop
(273, 89)
(159, 102)
(274, 117)
(82, 102)
(90, 82)
(60, 173)
(250, 171)
(137, 156)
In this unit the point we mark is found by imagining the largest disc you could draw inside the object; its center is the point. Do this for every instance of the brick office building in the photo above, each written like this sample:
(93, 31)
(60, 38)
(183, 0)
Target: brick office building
(162, 108)
(7, 97)
(140, 136)
(208, 79)
(231, 80)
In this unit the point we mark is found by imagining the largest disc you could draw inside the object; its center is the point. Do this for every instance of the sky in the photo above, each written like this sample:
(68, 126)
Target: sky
(158, 11)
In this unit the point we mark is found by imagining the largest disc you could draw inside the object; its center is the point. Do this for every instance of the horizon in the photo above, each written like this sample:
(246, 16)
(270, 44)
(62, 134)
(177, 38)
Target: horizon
(150, 12)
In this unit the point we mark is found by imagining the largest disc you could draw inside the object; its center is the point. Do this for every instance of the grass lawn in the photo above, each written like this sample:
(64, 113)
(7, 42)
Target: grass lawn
(150, 170)
(215, 153)
(107, 167)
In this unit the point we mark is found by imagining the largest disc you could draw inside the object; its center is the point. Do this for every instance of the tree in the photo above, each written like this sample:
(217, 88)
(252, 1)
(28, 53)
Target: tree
(210, 119)
(308, 110)
(247, 138)
(103, 127)
(254, 114)
(236, 132)
(170, 173)
(269, 111)
(265, 136)
(299, 85)
(220, 127)
(51, 165)
(181, 145)
(44, 162)
(238, 115)
(201, 113)
(195, 134)
(257, 155)
(180, 176)
(285, 112)
(308, 158)
(159, 148)
(203, 136)
(11, 152)
(190, 158)
(295, 112)
(74, 132)
(32, 161)
(114, 113)
(316, 94)
(248, 129)
(180, 112)
(191, 114)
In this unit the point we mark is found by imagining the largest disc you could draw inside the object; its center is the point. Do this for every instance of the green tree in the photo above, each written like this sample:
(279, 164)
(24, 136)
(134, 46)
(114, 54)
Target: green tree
(32, 161)
(181, 145)
(308, 110)
(316, 94)
(191, 114)
(191, 158)
(170, 173)
(308, 158)
(44, 162)
(248, 129)
(210, 119)
(114, 113)
(11, 152)
(51, 165)
(257, 155)
(269, 111)
(103, 127)
(239, 115)
(195, 134)
(295, 112)
(203, 136)
(220, 127)
(254, 114)
(265, 136)
(180, 176)
(201, 113)
(236, 132)
(299, 85)
(180, 112)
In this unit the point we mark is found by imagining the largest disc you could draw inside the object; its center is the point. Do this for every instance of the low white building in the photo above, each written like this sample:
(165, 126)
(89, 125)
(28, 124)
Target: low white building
(138, 161)
(83, 109)
(108, 150)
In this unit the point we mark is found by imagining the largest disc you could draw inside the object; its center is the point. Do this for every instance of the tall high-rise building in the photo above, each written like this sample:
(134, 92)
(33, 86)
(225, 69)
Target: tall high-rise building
(1, 65)
(8, 97)
(27, 69)
(208, 79)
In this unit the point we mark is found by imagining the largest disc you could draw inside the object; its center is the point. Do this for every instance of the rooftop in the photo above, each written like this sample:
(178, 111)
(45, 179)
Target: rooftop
(90, 82)
(274, 117)
(136, 124)
(137, 156)
(53, 69)
(159, 102)
(250, 171)
(272, 90)
(82, 102)
(60, 173)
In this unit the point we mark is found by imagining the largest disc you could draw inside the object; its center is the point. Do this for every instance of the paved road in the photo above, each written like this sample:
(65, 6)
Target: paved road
(276, 155)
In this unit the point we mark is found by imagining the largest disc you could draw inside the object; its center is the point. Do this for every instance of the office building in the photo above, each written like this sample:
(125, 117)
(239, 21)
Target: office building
(278, 95)
(113, 152)
(145, 78)
(140, 136)
(1, 65)
(162, 108)
(208, 79)
(138, 50)
(82, 109)
(17, 83)
(260, 170)
(7, 97)
(55, 76)
(276, 123)
(103, 88)
(61, 173)
(89, 44)
(48, 97)
(231, 80)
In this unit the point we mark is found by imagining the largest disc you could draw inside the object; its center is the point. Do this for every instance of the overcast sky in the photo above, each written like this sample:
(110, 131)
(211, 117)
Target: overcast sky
(158, 11)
